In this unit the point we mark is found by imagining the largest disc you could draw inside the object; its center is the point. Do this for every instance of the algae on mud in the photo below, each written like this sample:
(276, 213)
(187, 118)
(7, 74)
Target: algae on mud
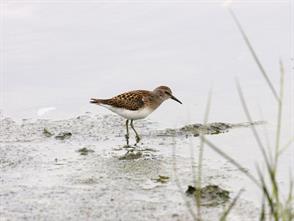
(211, 195)
(206, 129)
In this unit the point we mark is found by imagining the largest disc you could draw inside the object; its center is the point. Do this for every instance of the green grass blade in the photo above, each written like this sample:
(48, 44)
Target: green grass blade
(286, 146)
(201, 154)
(279, 117)
(230, 207)
(178, 183)
(231, 160)
(270, 166)
(253, 129)
(253, 53)
(266, 192)
(262, 216)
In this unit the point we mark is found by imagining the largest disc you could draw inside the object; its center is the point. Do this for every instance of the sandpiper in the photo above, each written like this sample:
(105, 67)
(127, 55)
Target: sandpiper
(135, 105)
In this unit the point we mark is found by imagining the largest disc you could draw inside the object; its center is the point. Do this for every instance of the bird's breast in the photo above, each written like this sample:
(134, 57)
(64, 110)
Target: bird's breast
(132, 114)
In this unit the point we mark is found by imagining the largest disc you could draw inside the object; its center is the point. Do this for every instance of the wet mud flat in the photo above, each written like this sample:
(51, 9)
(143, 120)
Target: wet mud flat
(79, 169)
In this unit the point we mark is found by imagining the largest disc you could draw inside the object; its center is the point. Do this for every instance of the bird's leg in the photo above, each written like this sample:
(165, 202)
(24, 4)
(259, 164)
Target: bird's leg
(137, 135)
(127, 135)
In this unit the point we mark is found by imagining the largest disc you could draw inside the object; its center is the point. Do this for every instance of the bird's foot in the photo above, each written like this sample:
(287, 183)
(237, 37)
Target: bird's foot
(127, 146)
(137, 139)
(130, 149)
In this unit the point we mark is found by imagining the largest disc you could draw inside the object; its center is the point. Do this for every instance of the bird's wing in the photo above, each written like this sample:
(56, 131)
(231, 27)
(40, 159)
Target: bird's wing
(132, 100)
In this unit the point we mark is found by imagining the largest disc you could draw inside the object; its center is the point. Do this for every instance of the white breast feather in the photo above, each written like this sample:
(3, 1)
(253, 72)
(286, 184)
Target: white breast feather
(129, 114)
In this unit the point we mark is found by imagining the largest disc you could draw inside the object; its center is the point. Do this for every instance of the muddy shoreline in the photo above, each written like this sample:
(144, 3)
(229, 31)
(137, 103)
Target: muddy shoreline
(78, 169)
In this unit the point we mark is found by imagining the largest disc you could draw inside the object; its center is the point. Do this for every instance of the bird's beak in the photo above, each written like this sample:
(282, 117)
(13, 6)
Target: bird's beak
(174, 98)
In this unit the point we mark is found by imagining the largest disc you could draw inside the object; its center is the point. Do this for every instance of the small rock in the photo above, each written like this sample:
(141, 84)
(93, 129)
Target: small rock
(47, 133)
(161, 179)
(63, 135)
(85, 151)
(190, 190)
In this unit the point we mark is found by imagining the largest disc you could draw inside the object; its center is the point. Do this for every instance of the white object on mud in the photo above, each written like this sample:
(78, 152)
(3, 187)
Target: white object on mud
(45, 110)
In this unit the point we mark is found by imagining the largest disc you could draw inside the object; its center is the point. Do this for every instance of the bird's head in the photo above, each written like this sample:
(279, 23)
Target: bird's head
(164, 93)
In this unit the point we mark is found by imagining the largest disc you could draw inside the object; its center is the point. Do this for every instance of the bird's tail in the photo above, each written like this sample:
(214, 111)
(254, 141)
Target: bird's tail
(95, 101)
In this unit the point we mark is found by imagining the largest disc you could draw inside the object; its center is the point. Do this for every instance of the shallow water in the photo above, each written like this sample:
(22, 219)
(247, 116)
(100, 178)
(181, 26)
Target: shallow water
(55, 56)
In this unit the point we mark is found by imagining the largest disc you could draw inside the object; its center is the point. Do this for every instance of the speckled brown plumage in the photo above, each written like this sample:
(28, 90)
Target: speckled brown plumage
(132, 100)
